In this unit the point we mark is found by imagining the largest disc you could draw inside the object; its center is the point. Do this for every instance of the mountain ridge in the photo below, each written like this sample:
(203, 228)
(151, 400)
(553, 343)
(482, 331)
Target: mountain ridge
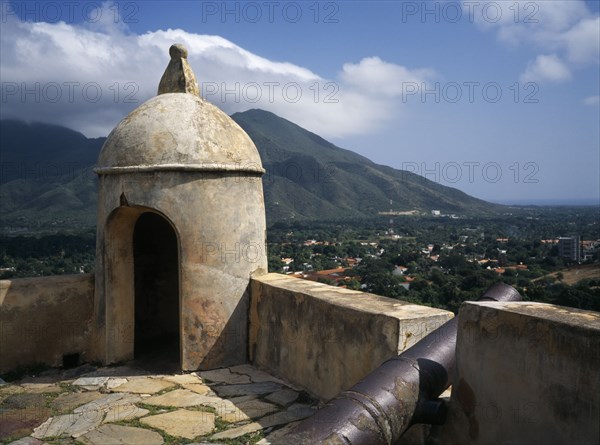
(339, 169)
(47, 174)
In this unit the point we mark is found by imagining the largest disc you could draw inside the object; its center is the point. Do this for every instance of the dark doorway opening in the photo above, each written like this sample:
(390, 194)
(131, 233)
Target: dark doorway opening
(156, 272)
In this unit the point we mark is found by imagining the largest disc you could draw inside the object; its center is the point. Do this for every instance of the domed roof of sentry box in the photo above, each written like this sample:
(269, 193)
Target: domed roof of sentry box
(178, 130)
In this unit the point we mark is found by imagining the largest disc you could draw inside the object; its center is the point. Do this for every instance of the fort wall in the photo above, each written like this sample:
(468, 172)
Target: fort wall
(44, 319)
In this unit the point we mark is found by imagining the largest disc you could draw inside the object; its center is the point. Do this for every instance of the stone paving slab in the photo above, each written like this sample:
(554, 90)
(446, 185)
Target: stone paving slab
(180, 398)
(23, 401)
(224, 375)
(283, 397)
(255, 374)
(121, 435)
(183, 379)
(124, 412)
(249, 409)
(108, 401)
(238, 431)
(91, 383)
(144, 385)
(276, 436)
(199, 388)
(41, 388)
(226, 408)
(20, 422)
(247, 389)
(183, 423)
(294, 413)
(67, 402)
(68, 425)
(115, 382)
(254, 402)
(8, 389)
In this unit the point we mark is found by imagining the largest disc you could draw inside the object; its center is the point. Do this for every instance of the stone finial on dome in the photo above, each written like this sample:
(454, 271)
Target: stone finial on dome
(178, 77)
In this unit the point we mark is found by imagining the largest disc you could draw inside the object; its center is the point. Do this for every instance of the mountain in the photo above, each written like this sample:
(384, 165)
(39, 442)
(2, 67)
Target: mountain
(46, 177)
(309, 177)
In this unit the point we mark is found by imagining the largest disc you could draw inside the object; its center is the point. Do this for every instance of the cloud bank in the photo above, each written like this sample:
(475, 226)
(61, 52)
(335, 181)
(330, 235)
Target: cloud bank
(565, 32)
(88, 76)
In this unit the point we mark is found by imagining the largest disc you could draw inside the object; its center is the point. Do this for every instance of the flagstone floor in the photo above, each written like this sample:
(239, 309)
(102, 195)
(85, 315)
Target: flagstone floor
(130, 405)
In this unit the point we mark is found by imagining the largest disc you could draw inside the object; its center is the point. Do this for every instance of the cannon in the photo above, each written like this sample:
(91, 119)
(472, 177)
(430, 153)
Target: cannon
(401, 392)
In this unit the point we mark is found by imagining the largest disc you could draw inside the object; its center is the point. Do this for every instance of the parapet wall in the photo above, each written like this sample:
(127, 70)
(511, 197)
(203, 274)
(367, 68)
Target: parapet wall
(325, 339)
(526, 373)
(43, 319)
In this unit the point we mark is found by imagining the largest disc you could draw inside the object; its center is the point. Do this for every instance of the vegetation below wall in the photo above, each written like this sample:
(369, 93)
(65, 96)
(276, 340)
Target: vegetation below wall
(442, 261)
(57, 254)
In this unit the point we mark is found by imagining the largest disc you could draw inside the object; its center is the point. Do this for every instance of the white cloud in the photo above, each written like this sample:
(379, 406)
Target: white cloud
(379, 77)
(546, 68)
(583, 41)
(87, 77)
(592, 100)
(566, 28)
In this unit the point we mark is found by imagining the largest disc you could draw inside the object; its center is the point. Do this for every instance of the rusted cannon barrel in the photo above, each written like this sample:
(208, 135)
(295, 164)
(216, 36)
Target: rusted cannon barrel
(401, 392)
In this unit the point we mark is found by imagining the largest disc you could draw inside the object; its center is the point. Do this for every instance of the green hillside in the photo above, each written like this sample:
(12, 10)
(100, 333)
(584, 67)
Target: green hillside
(47, 181)
(329, 182)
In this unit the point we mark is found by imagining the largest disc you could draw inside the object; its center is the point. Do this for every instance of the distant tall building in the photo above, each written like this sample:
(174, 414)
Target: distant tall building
(569, 247)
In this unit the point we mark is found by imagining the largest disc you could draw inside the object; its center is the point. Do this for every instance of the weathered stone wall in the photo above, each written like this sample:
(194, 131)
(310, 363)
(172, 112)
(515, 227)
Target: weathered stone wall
(527, 373)
(42, 319)
(220, 224)
(326, 339)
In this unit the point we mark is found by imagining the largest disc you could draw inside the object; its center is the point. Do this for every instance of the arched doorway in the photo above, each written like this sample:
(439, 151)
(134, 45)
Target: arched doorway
(156, 283)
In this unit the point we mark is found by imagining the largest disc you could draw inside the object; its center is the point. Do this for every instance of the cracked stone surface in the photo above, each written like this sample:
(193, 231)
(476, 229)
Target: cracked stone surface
(199, 388)
(124, 412)
(144, 385)
(292, 414)
(20, 422)
(68, 425)
(40, 388)
(244, 390)
(121, 435)
(277, 435)
(239, 431)
(23, 401)
(247, 410)
(283, 397)
(69, 401)
(256, 375)
(90, 383)
(224, 376)
(115, 382)
(179, 398)
(189, 406)
(183, 379)
(108, 401)
(183, 423)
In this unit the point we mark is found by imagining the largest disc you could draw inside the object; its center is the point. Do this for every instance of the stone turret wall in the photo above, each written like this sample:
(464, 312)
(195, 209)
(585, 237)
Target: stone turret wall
(219, 221)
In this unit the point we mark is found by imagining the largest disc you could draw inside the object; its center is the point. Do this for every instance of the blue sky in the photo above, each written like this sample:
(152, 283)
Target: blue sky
(500, 99)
